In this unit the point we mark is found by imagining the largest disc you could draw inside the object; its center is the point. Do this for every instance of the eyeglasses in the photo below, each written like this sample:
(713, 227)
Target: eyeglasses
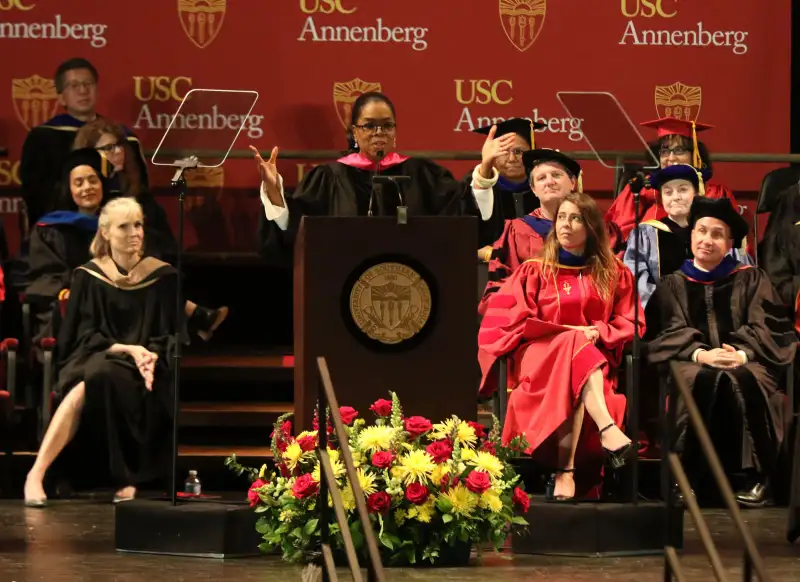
(75, 85)
(677, 150)
(110, 147)
(387, 127)
(517, 152)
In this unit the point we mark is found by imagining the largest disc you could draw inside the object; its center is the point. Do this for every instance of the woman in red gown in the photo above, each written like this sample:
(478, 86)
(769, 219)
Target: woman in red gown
(563, 320)
(677, 144)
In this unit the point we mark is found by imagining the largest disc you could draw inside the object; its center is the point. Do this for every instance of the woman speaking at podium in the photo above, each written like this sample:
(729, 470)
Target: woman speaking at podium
(344, 187)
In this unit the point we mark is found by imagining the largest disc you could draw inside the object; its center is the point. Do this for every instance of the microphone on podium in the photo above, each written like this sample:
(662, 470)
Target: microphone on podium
(379, 155)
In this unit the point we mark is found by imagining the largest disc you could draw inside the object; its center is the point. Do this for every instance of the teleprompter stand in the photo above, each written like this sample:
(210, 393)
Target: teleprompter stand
(627, 525)
(173, 525)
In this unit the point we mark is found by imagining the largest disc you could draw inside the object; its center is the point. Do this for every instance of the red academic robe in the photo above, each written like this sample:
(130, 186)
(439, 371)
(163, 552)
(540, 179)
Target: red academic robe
(518, 243)
(622, 212)
(550, 363)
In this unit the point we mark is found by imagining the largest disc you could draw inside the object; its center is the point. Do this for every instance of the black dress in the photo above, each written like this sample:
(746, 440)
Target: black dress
(126, 426)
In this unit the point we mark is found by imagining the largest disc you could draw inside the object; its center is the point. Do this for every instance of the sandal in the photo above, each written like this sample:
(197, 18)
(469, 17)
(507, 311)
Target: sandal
(619, 457)
(550, 496)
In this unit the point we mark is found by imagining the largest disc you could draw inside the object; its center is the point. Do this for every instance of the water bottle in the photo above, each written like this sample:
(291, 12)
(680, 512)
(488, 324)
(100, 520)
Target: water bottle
(192, 484)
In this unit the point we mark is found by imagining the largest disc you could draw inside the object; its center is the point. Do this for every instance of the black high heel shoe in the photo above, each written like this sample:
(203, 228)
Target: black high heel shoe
(549, 493)
(619, 457)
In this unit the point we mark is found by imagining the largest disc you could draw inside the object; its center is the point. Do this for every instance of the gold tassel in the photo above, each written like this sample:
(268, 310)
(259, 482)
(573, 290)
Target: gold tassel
(696, 161)
(533, 139)
(580, 182)
(103, 166)
(701, 186)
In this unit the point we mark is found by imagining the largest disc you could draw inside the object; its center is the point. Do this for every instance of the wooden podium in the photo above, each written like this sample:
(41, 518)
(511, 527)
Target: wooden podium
(392, 308)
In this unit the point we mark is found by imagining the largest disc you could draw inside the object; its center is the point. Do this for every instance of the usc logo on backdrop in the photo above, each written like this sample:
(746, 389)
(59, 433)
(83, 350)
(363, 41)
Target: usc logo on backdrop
(678, 100)
(161, 88)
(324, 7)
(522, 21)
(35, 100)
(345, 95)
(6, 5)
(201, 19)
(483, 91)
(648, 8)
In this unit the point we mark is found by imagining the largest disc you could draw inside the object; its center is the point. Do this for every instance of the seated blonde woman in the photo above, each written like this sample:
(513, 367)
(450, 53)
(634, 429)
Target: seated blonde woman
(114, 352)
(563, 319)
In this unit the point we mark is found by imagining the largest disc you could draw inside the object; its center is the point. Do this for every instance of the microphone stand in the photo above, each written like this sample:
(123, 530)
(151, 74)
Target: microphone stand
(179, 183)
(636, 185)
(402, 209)
(379, 155)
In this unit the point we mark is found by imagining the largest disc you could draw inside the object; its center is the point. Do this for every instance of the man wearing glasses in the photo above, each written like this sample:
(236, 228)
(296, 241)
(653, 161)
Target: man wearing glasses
(48, 145)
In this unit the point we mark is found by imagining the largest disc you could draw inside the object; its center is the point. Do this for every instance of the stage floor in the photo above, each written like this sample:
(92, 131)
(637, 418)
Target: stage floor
(73, 541)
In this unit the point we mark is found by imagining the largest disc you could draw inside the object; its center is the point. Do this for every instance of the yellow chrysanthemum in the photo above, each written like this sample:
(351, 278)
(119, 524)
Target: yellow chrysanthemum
(337, 466)
(397, 472)
(307, 433)
(487, 463)
(376, 438)
(291, 456)
(348, 499)
(438, 474)
(490, 499)
(465, 434)
(467, 454)
(463, 500)
(367, 482)
(423, 513)
(415, 467)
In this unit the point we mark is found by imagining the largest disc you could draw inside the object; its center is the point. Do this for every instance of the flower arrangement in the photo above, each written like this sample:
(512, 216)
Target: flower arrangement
(428, 487)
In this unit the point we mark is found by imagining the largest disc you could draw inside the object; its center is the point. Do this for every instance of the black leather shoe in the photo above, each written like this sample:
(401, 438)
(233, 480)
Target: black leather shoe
(757, 496)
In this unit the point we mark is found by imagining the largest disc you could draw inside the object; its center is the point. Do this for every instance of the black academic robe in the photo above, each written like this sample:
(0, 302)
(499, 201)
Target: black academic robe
(780, 249)
(743, 408)
(125, 426)
(337, 189)
(43, 154)
(53, 254)
(507, 196)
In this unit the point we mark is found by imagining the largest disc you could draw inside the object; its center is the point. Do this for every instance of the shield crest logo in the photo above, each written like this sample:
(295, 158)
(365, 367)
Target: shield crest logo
(522, 21)
(345, 94)
(35, 100)
(678, 100)
(391, 303)
(202, 19)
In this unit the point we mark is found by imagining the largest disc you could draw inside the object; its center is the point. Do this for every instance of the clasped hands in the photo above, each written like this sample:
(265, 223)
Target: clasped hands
(146, 363)
(726, 357)
(590, 331)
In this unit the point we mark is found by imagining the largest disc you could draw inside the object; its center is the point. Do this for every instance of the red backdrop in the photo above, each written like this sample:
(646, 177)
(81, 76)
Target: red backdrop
(448, 65)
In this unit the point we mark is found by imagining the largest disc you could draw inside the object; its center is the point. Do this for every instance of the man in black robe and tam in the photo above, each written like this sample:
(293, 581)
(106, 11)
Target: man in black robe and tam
(732, 337)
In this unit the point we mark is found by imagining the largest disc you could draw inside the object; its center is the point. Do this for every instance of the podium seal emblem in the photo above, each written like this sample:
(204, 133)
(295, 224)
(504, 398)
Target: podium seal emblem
(390, 302)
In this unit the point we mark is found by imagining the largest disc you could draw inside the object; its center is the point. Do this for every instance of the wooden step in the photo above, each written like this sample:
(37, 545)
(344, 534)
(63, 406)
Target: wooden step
(232, 361)
(232, 413)
(222, 451)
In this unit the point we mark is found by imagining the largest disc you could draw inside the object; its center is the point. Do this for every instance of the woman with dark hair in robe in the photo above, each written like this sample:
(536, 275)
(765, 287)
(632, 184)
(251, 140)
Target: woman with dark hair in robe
(563, 319)
(115, 349)
(345, 188)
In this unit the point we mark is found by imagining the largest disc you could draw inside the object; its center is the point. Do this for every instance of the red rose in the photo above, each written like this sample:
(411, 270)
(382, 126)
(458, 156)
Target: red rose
(379, 502)
(348, 414)
(305, 486)
(480, 430)
(521, 499)
(488, 447)
(252, 494)
(382, 460)
(440, 451)
(417, 493)
(417, 425)
(307, 443)
(381, 407)
(478, 482)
